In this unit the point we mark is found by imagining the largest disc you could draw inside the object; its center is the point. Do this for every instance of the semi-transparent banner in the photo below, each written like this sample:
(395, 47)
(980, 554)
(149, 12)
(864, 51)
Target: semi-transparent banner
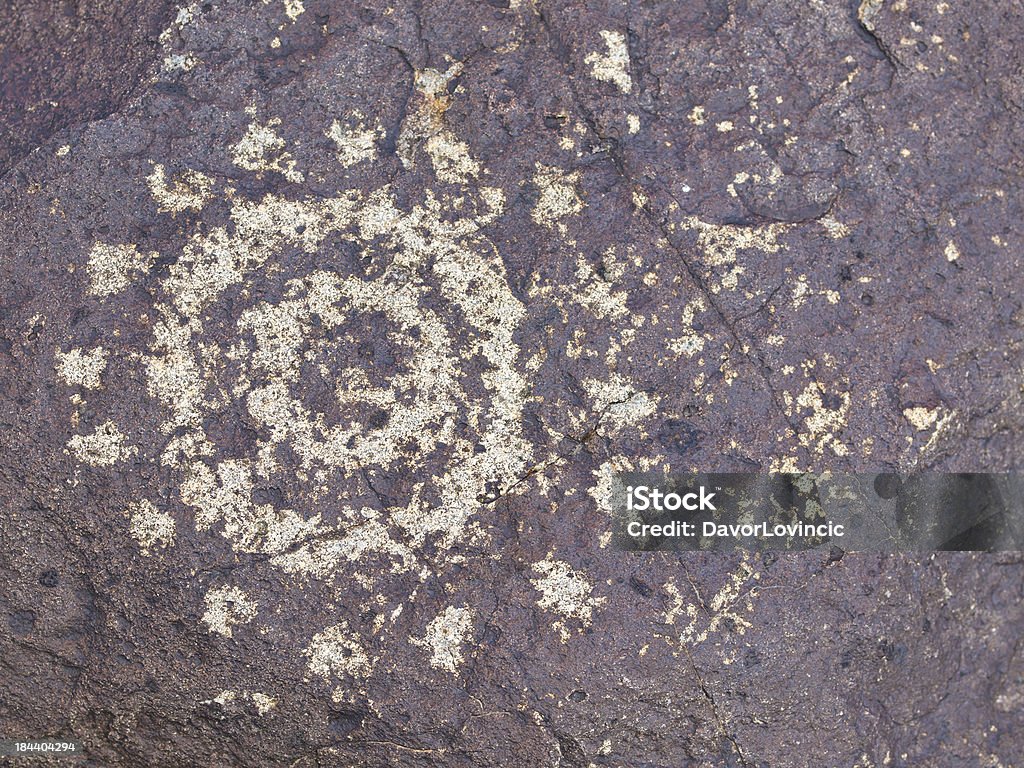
(855, 512)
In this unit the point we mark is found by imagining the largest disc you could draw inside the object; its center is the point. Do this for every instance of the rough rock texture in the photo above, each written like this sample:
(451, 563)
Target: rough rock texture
(65, 62)
(318, 357)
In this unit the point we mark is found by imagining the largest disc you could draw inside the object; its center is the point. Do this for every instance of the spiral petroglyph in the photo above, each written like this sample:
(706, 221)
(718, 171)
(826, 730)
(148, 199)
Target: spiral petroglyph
(426, 273)
(331, 335)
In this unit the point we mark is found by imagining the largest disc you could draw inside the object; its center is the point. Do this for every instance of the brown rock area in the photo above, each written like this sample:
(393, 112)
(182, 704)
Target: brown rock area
(66, 62)
(325, 326)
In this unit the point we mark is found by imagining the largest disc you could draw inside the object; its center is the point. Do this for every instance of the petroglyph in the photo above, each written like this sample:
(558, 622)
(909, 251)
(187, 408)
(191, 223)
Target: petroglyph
(441, 267)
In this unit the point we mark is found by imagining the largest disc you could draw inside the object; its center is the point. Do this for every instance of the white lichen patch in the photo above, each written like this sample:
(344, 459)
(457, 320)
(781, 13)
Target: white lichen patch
(445, 636)
(722, 243)
(224, 698)
(337, 651)
(149, 526)
(261, 149)
(825, 416)
(263, 702)
(82, 369)
(921, 418)
(558, 196)
(566, 592)
(215, 260)
(225, 496)
(185, 16)
(835, 228)
(227, 607)
(174, 379)
(740, 178)
(189, 190)
(618, 403)
(596, 292)
(726, 608)
(451, 159)
(426, 118)
(179, 62)
(355, 143)
(676, 609)
(951, 251)
(613, 66)
(365, 537)
(176, 61)
(103, 448)
(690, 343)
(112, 268)
(609, 487)
(802, 291)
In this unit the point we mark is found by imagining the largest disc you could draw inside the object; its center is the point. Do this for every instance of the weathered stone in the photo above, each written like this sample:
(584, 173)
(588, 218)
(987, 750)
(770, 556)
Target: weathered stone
(318, 352)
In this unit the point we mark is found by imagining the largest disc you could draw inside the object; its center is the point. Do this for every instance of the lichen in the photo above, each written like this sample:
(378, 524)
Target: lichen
(355, 143)
(149, 526)
(558, 196)
(445, 636)
(112, 267)
(82, 369)
(261, 149)
(565, 592)
(190, 190)
(103, 448)
(227, 607)
(613, 66)
(337, 651)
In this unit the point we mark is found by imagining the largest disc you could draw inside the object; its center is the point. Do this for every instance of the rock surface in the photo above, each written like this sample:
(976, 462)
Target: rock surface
(318, 353)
